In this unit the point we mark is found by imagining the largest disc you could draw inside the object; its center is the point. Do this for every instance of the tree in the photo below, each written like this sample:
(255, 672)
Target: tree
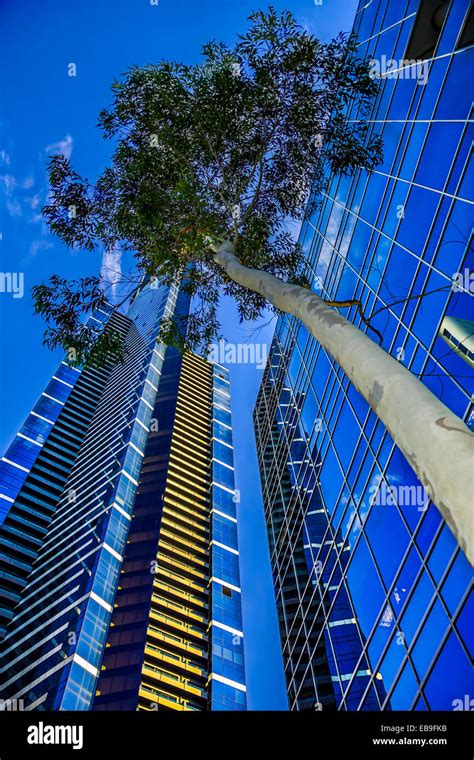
(210, 163)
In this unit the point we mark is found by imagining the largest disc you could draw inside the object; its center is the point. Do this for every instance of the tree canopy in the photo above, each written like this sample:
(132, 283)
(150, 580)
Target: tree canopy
(232, 148)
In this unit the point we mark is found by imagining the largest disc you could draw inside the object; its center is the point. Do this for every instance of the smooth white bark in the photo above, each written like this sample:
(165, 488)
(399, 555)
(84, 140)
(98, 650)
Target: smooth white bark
(436, 443)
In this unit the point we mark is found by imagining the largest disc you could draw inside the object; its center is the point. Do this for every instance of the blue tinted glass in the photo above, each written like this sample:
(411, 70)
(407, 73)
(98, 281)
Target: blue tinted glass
(451, 678)
(465, 624)
(430, 637)
(223, 453)
(405, 689)
(456, 583)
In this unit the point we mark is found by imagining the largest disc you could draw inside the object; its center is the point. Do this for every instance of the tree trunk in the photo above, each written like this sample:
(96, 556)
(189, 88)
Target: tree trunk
(436, 443)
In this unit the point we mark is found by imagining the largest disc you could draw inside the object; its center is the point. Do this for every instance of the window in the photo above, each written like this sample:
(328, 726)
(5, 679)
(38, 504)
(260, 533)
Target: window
(226, 591)
(426, 29)
(467, 34)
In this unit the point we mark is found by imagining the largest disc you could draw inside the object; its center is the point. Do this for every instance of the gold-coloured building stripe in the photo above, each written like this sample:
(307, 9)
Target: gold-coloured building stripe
(175, 667)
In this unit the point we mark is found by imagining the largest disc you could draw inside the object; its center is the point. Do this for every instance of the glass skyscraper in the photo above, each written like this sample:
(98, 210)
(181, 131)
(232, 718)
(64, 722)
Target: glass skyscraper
(119, 563)
(373, 593)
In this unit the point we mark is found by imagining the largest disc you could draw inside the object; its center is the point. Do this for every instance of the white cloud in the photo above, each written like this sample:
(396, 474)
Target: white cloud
(111, 270)
(9, 183)
(14, 190)
(15, 201)
(34, 200)
(307, 26)
(329, 247)
(356, 517)
(14, 207)
(61, 146)
(39, 245)
(293, 227)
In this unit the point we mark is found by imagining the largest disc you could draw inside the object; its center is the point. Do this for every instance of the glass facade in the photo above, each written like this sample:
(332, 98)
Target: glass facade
(227, 684)
(37, 464)
(110, 574)
(373, 593)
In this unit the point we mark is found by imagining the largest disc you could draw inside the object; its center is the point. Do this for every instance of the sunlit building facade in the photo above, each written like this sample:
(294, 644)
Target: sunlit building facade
(372, 590)
(119, 562)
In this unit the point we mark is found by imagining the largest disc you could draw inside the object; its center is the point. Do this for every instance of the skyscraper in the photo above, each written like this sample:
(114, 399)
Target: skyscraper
(119, 574)
(373, 593)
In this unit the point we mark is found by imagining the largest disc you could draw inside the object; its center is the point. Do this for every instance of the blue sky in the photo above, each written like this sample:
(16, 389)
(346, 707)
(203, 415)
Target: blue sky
(43, 110)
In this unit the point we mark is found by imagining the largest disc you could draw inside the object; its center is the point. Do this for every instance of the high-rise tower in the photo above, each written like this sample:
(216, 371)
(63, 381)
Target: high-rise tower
(373, 592)
(119, 563)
